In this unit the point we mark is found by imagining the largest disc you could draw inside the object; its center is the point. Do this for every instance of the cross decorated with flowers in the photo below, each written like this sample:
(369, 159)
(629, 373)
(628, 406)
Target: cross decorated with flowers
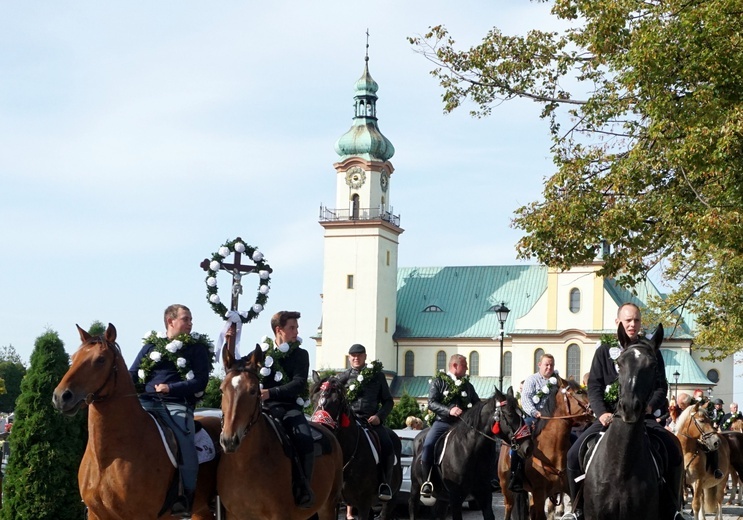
(234, 317)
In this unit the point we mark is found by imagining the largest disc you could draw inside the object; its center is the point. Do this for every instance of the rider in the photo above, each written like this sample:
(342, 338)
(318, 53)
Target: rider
(372, 402)
(447, 400)
(281, 400)
(170, 395)
(537, 396)
(603, 374)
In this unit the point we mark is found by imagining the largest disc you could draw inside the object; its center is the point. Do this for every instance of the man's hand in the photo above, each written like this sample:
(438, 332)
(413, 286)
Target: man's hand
(264, 394)
(605, 418)
(374, 420)
(455, 411)
(162, 388)
(538, 414)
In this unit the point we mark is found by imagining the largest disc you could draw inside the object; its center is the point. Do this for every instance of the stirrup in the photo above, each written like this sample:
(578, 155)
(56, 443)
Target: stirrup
(427, 489)
(384, 493)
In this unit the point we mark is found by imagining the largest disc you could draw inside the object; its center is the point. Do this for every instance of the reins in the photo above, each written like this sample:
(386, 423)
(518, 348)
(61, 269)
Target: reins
(336, 421)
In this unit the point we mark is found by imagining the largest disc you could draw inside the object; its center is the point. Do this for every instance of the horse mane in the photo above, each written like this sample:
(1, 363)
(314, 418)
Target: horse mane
(684, 416)
(466, 422)
(102, 340)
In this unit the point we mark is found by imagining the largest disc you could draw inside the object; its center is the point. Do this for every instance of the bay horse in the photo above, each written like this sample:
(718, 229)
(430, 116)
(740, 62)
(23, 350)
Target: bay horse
(360, 482)
(546, 469)
(125, 472)
(255, 476)
(467, 455)
(735, 442)
(623, 479)
(698, 437)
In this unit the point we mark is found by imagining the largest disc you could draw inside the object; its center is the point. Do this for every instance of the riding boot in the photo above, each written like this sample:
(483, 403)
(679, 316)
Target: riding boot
(675, 483)
(385, 491)
(427, 487)
(303, 496)
(575, 488)
(713, 464)
(516, 478)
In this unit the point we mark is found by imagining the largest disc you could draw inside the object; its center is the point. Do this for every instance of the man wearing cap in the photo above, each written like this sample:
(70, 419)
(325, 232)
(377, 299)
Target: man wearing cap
(372, 404)
(717, 412)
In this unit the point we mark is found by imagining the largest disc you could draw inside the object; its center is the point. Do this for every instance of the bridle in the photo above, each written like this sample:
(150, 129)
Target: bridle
(343, 418)
(517, 434)
(257, 410)
(568, 395)
(95, 397)
(703, 436)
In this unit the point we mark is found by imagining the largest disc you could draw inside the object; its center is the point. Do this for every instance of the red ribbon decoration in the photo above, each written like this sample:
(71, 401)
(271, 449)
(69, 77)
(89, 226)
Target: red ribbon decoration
(496, 428)
(345, 421)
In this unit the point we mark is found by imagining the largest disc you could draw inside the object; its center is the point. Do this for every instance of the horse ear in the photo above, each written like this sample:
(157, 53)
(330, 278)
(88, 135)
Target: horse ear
(84, 336)
(228, 357)
(257, 357)
(624, 339)
(510, 391)
(657, 336)
(110, 335)
(316, 377)
(498, 394)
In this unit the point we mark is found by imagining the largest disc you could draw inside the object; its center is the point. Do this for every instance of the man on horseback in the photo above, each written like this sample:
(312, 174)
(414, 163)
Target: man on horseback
(603, 375)
(538, 394)
(447, 405)
(280, 398)
(372, 403)
(172, 397)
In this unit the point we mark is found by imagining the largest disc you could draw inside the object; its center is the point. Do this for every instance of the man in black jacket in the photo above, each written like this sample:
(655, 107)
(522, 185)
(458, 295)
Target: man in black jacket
(447, 400)
(281, 399)
(373, 403)
(174, 370)
(601, 377)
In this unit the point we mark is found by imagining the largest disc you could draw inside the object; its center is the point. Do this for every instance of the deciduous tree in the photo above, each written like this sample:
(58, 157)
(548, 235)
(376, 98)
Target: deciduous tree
(645, 105)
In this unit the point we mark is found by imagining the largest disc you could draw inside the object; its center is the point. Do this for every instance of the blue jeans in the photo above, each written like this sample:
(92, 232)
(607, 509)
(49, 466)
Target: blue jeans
(438, 428)
(179, 417)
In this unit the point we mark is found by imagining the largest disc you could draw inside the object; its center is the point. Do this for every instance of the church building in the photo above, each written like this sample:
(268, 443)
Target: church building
(501, 318)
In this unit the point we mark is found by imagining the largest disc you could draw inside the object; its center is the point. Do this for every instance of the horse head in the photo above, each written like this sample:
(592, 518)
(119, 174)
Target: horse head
(695, 424)
(328, 397)
(637, 366)
(572, 402)
(93, 374)
(241, 397)
(508, 422)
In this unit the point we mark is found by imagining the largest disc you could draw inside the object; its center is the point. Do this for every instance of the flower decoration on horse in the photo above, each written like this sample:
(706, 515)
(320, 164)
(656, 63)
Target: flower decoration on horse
(167, 350)
(362, 379)
(272, 367)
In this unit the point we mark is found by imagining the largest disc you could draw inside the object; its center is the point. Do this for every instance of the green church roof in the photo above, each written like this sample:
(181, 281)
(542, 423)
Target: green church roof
(465, 295)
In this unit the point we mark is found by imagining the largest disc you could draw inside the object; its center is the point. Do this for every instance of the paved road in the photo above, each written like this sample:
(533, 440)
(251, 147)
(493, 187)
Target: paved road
(728, 512)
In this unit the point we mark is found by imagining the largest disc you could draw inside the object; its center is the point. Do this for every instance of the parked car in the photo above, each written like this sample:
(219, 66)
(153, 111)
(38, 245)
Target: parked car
(407, 437)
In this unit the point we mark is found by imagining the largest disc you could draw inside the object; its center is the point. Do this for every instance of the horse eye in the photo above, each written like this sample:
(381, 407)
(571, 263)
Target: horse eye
(100, 360)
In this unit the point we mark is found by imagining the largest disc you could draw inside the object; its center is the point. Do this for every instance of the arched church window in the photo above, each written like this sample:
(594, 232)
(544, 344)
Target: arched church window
(574, 300)
(409, 363)
(573, 368)
(507, 360)
(474, 363)
(440, 360)
(537, 356)
(355, 206)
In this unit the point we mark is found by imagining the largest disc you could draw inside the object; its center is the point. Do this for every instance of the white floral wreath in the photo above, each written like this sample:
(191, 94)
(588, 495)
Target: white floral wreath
(545, 390)
(264, 275)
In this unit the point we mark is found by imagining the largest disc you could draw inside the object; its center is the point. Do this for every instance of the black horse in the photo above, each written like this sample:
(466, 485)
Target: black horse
(622, 478)
(469, 456)
(360, 480)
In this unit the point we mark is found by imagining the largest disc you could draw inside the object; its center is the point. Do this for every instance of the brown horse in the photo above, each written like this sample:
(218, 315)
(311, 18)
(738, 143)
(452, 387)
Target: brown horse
(125, 472)
(698, 437)
(546, 469)
(735, 441)
(255, 476)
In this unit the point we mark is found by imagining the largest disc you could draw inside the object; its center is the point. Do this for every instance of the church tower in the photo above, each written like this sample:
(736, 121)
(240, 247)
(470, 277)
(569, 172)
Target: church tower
(361, 237)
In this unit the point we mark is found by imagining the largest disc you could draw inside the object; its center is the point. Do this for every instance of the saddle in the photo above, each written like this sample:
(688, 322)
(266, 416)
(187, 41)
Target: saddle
(321, 443)
(373, 438)
(657, 451)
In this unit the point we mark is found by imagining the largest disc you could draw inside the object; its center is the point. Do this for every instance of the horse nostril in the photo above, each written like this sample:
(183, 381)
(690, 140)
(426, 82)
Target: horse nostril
(66, 396)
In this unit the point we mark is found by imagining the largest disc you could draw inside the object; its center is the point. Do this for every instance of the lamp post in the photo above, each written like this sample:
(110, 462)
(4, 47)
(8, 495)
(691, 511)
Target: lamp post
(502, 312)
(709, 393)
(676, 380)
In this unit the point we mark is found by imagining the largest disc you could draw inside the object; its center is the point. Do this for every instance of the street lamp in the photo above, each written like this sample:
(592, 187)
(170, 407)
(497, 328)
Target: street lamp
(676, 379)
(709, 393)
(502, 312)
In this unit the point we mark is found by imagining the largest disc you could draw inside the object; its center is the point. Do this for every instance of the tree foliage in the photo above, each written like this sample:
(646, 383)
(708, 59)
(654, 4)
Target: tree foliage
(97, 328)
(45, 447)
(645, 106)
(12, 371)
(212, 395)
(405, 407)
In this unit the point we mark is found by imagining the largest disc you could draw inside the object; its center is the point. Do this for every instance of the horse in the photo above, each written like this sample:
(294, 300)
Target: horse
(698, 437)
(125, 472)
(467, 454)
(360, 488)
(255, 476)
(735, 442)
(623, 478)
(546, 469)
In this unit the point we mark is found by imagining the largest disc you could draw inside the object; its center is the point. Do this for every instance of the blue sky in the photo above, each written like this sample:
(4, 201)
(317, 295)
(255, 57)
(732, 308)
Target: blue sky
(137, 137)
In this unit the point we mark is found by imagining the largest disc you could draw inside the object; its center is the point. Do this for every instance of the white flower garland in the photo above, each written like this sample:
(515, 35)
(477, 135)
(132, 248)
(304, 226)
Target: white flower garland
(272, 367)
(264, 277)
(545, 390)
(165, 349)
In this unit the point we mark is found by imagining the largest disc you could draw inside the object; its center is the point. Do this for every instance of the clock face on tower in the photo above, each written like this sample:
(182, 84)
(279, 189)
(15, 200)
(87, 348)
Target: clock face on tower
(384, 180)
(355, 177)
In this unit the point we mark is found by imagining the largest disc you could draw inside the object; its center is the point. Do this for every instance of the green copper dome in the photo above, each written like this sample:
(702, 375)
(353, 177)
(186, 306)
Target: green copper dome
(364, 138)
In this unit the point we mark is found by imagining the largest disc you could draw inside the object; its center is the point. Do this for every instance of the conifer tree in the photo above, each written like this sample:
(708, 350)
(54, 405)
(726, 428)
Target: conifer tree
(45, 446)
(406, 407)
